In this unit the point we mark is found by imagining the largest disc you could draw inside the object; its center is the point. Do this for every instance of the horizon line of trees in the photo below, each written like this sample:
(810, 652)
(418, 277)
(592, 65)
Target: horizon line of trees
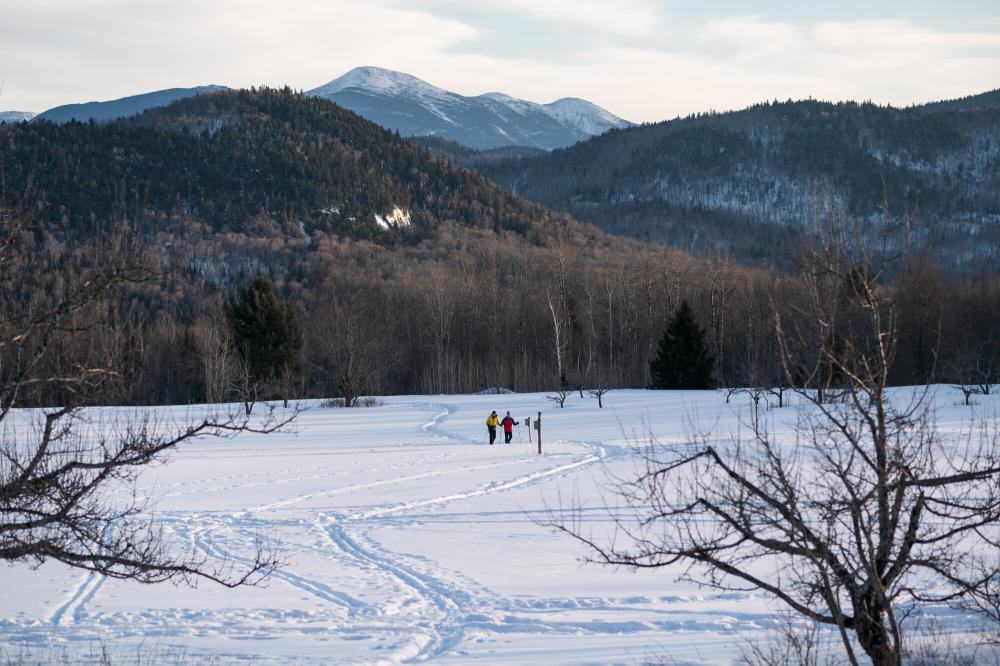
(373, 321)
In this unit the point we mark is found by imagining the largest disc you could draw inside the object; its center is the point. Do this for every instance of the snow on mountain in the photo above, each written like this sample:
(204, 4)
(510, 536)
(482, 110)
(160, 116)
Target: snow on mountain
(384, 81)
(585, 116)
(396, 219)
(15, 116)
(402, 102)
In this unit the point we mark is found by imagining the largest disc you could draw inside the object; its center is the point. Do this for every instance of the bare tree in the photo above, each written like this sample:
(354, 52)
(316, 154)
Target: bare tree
(730, 391)
(846, 523)
(977, 370)
(245, 386)
(599, 393)
(560, 397)
(779, 391)
(756, 394)
(559, 335)
(59, 464)
(219, 363)
(353, 348)
(441, 307)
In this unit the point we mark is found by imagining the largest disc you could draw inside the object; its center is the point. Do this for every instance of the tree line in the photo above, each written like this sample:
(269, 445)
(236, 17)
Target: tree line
(496, 313)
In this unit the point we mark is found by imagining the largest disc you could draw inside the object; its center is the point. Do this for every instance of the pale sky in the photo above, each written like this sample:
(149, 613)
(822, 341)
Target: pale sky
(644, 60)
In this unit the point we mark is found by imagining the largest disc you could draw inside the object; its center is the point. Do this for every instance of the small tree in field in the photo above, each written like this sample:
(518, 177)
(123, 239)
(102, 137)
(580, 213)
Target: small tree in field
(599, 393)
(560, 397)
(682, 360)
(267, 337)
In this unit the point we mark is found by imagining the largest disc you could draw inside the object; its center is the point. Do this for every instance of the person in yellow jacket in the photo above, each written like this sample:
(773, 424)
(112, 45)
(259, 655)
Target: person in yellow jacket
(491, 424)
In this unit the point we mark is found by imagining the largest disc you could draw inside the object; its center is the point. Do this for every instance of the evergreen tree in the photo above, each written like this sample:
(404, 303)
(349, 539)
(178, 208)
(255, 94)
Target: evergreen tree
(265, 333)
(682, 360)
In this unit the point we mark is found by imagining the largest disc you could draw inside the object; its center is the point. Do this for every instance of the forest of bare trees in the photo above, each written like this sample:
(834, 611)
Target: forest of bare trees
(490, 314)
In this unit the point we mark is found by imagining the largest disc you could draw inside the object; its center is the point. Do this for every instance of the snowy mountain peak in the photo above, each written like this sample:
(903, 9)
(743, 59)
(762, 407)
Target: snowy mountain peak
(15, 116)
(585, 116)
(379, 80)
(402, 102)
(498, 96)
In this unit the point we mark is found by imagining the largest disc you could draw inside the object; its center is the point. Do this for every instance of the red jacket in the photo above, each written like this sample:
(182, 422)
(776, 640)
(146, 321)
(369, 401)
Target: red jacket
(508, 424)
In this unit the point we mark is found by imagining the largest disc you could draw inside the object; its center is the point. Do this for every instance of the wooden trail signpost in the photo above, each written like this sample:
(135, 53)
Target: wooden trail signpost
(538, 427)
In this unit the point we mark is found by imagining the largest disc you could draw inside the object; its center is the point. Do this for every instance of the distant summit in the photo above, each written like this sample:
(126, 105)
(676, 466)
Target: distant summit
(15, 116)
(402, 102)
(986, 100)
(121, 108)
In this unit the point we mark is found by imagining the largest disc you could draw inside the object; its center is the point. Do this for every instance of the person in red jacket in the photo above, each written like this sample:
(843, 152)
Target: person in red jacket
(508, 428)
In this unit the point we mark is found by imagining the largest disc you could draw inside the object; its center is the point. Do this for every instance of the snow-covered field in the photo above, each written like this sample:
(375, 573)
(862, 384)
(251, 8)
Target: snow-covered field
(407, 539)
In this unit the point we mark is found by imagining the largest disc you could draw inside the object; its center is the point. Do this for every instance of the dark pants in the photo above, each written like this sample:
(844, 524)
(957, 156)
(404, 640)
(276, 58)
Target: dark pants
(507, 436)
(493, 433)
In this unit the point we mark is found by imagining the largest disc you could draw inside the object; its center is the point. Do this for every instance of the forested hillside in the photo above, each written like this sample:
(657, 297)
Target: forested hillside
(751, 181)
(406, 273)
(230, 160)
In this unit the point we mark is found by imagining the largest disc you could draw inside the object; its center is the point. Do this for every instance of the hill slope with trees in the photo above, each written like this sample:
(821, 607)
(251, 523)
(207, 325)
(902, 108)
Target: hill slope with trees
(237, 159)
(751, 181)
(406, 273)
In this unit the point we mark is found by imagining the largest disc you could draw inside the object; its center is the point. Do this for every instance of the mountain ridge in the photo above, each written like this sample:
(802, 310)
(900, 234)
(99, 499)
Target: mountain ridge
(414, 107)
(16, 116)
(123, 107)
(751, 182)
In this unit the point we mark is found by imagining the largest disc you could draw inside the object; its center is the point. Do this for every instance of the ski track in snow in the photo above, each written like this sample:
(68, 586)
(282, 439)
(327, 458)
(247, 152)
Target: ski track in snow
(316, 588)
(434, 425)
(443, 630)
(72, 611)
(404, 608)
(429, 615)
(490, 488)
(375, 484)
(436, 612)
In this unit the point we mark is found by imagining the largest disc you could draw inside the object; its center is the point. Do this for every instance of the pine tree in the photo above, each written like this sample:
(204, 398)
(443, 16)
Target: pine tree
(682, 360)
(265, 332)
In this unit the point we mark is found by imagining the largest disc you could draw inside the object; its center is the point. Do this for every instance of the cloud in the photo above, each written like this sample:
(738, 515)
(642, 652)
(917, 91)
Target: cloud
(58, 53)
(888, 60)
(626, 17)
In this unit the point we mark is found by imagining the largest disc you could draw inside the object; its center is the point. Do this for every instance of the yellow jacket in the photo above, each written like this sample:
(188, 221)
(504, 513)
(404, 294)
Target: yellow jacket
(492, 420)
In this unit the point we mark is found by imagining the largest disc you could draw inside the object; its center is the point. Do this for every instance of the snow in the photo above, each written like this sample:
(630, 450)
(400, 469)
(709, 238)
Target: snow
(375, 80)
(406, 539)
(395, 219)
(16, 116)
(305, 234)
(575, 114)
(585, 116)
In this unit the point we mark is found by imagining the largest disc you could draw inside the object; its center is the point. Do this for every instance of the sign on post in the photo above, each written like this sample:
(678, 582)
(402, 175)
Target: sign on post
(538, 427)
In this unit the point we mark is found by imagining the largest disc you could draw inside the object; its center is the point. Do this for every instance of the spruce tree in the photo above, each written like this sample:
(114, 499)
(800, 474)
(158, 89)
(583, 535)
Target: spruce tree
(265, 332)
(682, 360)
